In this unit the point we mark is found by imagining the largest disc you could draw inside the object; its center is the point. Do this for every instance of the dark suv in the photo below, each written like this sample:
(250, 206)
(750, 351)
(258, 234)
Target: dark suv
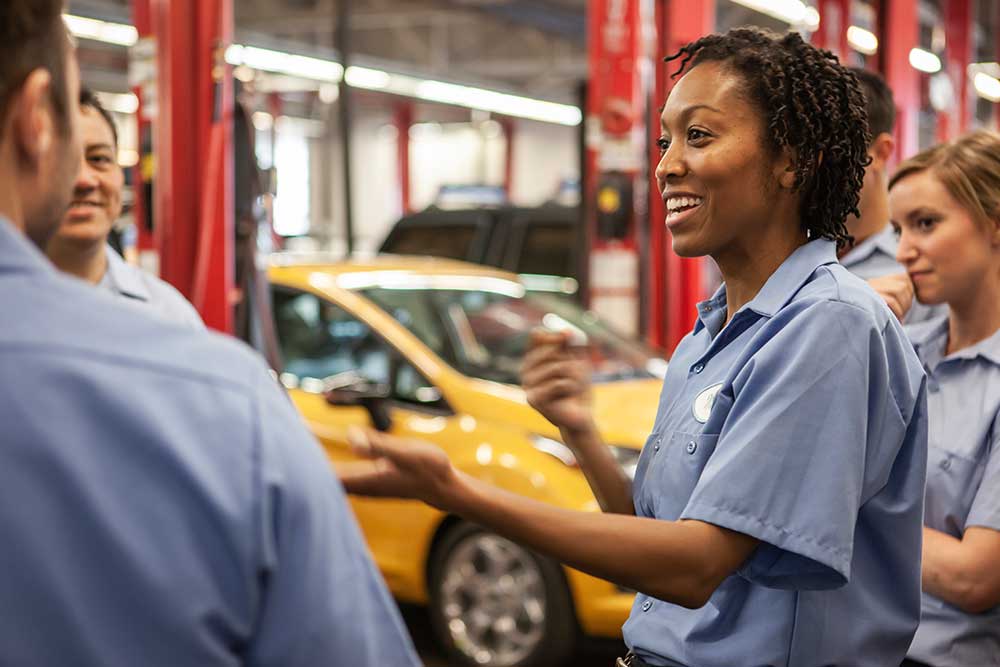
(539, 241)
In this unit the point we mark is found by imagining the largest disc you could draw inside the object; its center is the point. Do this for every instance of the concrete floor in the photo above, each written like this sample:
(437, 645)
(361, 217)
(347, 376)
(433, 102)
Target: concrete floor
(591, 653)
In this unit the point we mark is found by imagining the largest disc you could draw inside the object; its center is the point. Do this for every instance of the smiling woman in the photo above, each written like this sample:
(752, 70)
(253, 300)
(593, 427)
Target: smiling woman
(776, 506)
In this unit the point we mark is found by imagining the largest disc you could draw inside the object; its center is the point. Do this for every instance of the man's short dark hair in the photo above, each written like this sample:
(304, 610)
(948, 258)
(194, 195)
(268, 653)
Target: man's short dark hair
(33, 36)
(89, 99)
(878, 100)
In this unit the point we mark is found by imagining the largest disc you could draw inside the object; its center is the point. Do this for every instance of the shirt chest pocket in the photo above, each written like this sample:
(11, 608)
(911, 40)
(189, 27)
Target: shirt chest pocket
(675, 470)
(952, 484)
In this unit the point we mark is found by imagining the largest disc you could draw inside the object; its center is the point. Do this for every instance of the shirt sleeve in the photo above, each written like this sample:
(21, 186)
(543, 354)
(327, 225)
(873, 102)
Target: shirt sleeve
(323, 602)
(985, 509)
(810, 411)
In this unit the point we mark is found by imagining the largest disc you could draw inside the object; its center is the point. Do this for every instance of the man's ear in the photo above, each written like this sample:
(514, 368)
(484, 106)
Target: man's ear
(31, 115)
(881, 150)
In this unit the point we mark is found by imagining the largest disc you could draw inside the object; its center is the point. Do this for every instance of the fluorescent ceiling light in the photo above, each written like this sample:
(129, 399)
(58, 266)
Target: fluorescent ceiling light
(862, 40)
(502, 103)
(370, 79)
(280, 62)
(987, 86)
(328, 71)
(925, 61)
(120, 102)
(793, 12)
(101, 31)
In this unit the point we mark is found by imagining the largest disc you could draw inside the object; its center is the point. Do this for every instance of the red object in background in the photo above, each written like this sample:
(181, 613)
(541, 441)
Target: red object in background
(835, 18)
(958, 54)
(404, 121)
(675, 282)
(193, 194)
(509, 128)
(898, 34)
(615, 156)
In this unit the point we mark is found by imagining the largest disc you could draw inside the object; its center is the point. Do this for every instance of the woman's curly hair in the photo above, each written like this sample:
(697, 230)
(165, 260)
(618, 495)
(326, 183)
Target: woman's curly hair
(813, 106)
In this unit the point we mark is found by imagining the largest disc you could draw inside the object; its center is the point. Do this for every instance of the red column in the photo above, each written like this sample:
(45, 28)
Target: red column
(898, 25)
(834, 19)
(143, 172)
(958, 55)
(676, 281)
(404, 120)
(509, 128)
(193, 198)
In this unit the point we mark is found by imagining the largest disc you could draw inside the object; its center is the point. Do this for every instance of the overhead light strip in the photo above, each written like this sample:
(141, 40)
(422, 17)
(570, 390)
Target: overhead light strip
(792, 12)
(329, 71)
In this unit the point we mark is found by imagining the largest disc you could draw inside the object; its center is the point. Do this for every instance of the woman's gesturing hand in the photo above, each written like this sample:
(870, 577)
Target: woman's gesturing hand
(397, 468)
(556, 379)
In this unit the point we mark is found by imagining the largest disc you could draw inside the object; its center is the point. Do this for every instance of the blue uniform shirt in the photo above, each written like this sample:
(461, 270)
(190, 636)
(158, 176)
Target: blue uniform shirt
(801, 423)
(147, 292)
(963, 482)
(161, 502)
(876, 257)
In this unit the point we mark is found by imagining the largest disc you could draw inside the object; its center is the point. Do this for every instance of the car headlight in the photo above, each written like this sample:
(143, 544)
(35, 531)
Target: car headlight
(627, 457)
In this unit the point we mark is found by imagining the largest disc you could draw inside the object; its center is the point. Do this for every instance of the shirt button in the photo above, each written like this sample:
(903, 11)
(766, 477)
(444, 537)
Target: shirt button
(946, 464)
(646, 605)
(692, 447)
(699, 368)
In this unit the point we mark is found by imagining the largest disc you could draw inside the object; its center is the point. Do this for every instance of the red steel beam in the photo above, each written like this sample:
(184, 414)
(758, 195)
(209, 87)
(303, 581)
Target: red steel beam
(404, 121)
(834, 19)
(676, 281)
(194, 188)
(958, 55)
(899, 28)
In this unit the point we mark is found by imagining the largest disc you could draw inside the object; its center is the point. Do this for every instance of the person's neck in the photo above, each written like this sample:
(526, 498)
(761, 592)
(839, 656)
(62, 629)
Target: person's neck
(11, 207)
(87, 262)
(976, 318)
(873, 220)
(746, 267)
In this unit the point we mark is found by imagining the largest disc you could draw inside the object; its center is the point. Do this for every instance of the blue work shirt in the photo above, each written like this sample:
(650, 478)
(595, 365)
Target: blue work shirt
(963, 482)
(801, 422)
(147, 292)
(161, 502)
(876, 257)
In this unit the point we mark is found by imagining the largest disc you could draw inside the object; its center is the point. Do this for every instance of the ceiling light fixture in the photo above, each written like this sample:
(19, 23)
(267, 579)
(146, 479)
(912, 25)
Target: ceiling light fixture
(862, 40)
(987, 86)
(793, 12)
(925, 61)
(101, 31)
(329, 71)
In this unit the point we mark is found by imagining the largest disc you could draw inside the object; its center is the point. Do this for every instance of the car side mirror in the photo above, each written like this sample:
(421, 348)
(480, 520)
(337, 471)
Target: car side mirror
(353, 389)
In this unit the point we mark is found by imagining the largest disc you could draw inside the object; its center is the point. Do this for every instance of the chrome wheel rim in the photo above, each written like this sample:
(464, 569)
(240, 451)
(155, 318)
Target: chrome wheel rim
(493, 600)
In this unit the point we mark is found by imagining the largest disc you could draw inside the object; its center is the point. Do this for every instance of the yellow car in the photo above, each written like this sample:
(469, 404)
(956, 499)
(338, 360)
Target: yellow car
(430, 348)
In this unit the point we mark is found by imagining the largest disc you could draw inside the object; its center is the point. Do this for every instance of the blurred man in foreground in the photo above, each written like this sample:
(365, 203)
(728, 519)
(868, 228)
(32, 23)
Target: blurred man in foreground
(161, 502)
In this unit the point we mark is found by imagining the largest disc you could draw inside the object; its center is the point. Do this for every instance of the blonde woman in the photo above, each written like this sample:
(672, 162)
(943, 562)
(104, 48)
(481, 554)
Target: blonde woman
(945, 207)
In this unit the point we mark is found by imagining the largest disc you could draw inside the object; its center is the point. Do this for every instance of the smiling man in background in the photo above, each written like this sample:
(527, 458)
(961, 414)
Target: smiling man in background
(80, 245)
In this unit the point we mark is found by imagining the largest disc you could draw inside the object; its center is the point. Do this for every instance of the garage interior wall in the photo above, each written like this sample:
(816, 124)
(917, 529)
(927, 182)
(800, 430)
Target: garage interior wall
(546, 155)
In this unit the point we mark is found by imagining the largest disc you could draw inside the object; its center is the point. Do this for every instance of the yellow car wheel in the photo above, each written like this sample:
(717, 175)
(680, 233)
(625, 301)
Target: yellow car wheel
(494, 603)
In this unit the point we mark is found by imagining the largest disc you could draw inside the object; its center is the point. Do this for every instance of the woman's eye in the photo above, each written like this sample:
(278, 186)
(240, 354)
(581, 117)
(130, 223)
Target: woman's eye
(926, 224)
(663, 145)
(897, 232)
(694, 134)
(100, 160)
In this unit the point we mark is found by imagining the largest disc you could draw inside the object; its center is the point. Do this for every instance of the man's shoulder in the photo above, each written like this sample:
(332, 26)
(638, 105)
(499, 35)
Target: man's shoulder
(58, 318)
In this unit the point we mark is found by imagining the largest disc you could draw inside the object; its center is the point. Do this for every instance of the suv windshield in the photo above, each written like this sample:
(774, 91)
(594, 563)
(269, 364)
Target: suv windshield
(486, 334)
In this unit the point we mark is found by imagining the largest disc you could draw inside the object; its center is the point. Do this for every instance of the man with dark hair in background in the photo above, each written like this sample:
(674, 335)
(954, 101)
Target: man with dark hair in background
(872, 256)
(161, 503)
(80, 246)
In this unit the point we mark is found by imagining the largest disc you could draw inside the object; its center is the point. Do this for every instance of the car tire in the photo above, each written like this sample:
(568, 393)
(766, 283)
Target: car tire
(495, 603)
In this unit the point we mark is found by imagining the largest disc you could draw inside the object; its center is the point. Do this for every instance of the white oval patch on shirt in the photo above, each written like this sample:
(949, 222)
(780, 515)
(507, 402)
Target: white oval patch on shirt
(703, 403)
